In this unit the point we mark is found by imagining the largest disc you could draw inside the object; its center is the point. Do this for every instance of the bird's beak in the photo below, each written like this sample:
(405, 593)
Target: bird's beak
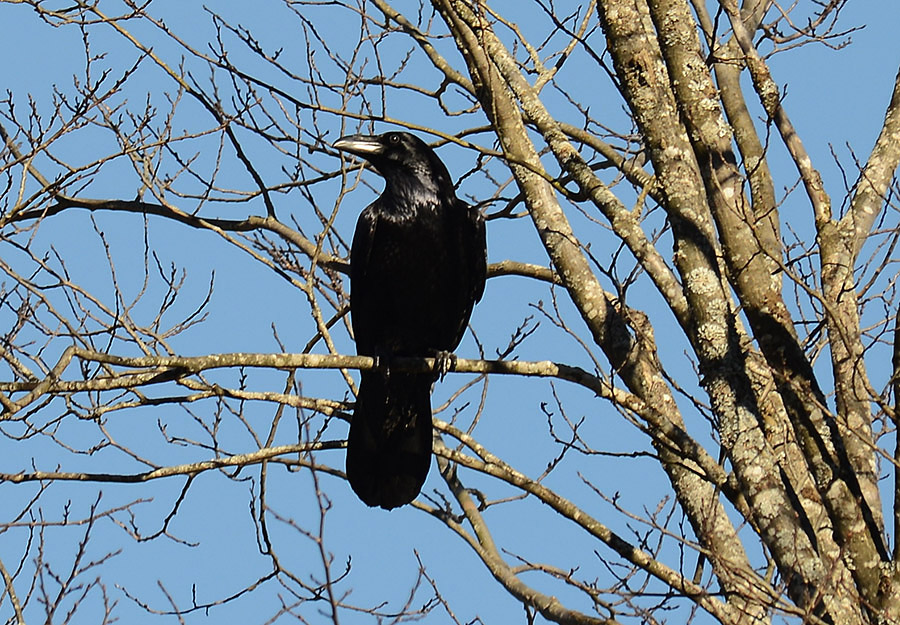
(361, 145)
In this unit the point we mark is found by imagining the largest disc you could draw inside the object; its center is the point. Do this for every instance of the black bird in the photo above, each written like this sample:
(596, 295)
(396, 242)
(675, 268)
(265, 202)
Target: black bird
(417, 267)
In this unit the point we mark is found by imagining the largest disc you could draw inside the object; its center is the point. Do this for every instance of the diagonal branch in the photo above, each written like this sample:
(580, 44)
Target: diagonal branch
(771, 101)
(875, 177)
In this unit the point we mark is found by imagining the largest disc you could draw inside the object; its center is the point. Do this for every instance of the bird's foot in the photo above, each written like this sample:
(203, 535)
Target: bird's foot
(443, 362)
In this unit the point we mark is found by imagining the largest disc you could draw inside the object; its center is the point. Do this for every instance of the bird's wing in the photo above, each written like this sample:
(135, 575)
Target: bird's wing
(361, 300)
(362, 242)
(478, 259)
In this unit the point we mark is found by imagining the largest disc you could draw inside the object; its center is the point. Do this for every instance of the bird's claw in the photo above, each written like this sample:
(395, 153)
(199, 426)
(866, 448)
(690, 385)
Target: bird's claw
(444, 362)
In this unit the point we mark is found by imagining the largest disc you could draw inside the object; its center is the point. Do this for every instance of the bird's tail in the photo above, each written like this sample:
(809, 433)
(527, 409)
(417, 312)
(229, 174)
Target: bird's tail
(389, 447)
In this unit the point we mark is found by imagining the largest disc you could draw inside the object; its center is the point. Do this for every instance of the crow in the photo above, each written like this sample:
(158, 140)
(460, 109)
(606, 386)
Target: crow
(417, 266)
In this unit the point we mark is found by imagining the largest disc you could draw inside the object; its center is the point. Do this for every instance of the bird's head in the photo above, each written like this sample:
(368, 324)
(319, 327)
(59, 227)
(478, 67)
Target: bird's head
(400, 157)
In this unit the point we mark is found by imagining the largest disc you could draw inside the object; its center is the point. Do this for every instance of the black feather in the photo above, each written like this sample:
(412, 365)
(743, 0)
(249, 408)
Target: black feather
(417, 267)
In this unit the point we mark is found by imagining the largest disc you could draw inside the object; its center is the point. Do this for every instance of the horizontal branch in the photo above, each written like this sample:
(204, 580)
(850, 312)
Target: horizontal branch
(146, 370)
(250, 224)
(193, 468)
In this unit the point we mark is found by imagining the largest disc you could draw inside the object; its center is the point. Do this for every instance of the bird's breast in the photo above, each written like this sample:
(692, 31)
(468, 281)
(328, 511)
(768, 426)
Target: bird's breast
(410, 285)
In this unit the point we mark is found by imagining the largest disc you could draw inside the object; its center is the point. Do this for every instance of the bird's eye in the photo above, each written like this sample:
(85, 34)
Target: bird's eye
(394, 138)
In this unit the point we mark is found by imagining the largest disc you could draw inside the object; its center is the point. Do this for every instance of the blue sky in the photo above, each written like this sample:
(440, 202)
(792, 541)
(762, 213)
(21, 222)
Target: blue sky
(834, 98)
